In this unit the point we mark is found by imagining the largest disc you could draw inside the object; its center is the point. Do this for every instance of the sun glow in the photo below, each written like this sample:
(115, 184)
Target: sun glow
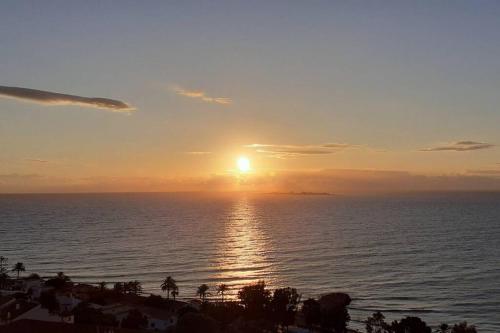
(243, 164)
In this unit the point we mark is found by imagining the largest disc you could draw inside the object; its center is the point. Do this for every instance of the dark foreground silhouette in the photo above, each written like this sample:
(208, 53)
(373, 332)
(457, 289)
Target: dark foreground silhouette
(123, 307)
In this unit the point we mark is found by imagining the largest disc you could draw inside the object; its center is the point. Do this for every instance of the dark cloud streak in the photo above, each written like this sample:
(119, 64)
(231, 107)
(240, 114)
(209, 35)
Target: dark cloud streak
(460, 146)
(53, 98)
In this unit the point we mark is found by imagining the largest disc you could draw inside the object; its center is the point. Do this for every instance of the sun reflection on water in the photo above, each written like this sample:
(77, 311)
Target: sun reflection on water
(244, 248)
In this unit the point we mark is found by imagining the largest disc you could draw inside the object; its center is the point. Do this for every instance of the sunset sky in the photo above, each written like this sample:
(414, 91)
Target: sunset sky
(318, 95)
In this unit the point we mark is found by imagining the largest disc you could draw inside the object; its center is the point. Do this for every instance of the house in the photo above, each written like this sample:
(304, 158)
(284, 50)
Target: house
(40, 314)
(158, 319)
(118, 310)
(5, 301)
(34, 287)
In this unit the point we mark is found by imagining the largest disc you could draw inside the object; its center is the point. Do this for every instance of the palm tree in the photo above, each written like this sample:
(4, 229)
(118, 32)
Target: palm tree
(3, 261)
(175, 292)
(169, 284)
(18, 267)
(221, 289)
(202, 292)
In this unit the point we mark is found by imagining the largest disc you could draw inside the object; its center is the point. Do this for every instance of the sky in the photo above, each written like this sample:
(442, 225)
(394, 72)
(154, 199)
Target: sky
(335, 96)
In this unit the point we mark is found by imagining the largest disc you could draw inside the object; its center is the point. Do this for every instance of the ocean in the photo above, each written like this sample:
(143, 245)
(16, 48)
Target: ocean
(436, 256)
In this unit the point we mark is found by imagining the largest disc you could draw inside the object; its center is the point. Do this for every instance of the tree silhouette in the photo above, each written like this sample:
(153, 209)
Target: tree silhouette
(255, 298)
(133, 287)
(334, 314)
(221, 289)
(59, 281)
(202, 292)
(376, 323)
(443, 328)
(175, 292)
(284, 306)
(311, 310)
(168, 285)
(410, 325)
(463, 328)
(102, 285)
(87, 315)
(3, 279)
(3, 263)
(18, 267)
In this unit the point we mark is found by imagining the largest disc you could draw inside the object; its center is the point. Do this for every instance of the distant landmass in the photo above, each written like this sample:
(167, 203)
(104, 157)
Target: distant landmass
(302, 193)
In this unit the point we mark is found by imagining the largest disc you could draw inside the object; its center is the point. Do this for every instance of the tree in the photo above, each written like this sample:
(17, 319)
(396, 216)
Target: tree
(463, 328)
(255, 298)
(376, 323)
(168, 285)
(18, 267)
(135, 320)
(410, 325)
(221, 289)
(202, 292)
(133, 287)
(284, 306)
(59, 281)
(175, 292)
(312, 313)
(84, 314)
(334, 314)
(3, 263)
(4, 277)
(443, 328)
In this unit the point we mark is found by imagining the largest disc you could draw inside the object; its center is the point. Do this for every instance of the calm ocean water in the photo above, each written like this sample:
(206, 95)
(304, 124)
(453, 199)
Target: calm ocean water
(436, 256)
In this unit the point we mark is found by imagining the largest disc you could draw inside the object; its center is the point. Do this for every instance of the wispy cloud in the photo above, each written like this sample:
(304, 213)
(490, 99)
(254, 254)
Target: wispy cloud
(53, 98)
(333, 181)
(291, 151)
(460, 146)
(36, 160)
(198, 152)
(202, 96)
(485, 172)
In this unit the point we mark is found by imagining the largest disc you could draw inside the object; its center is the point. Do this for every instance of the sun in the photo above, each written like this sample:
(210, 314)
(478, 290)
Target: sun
(243, 164)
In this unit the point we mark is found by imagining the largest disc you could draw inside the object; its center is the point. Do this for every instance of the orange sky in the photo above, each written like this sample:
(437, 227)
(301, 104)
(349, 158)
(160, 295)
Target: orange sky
(333, 97)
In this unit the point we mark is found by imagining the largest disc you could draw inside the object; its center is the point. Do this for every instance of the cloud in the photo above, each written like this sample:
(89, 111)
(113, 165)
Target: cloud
(460, 146)
(36, 160)
(291, 151)
(337, 181)
(198, 152)
(201, 95)
(486, 172)
(53, 98)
